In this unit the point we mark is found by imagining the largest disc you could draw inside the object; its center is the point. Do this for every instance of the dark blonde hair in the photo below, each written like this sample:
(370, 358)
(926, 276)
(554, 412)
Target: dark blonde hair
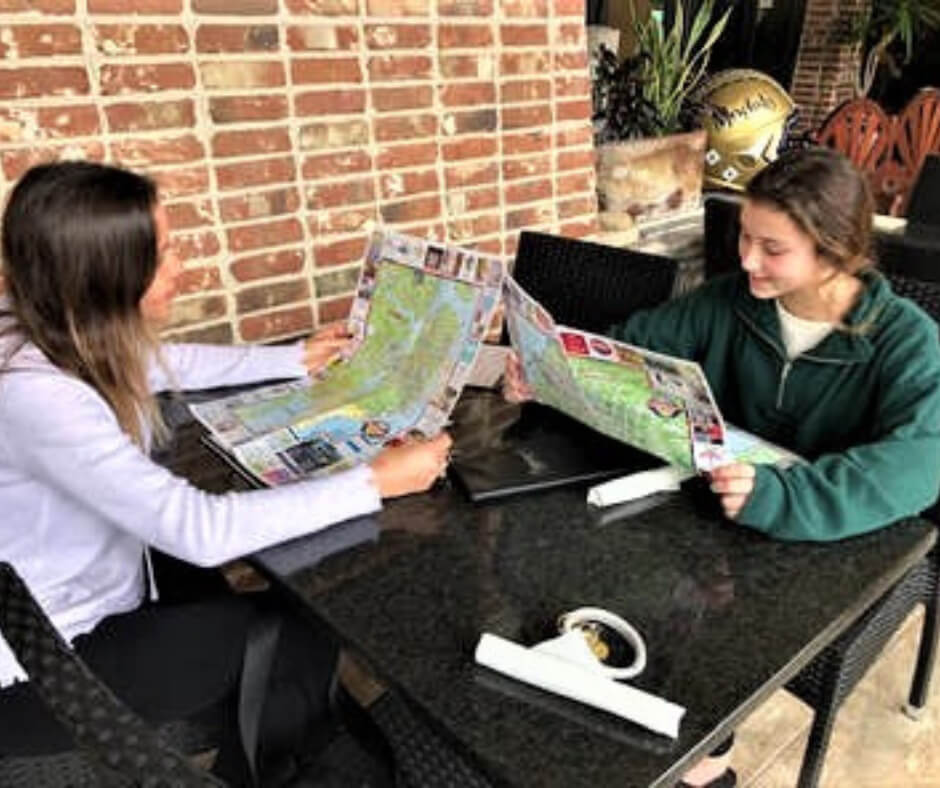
(79, 246)
(827, 198)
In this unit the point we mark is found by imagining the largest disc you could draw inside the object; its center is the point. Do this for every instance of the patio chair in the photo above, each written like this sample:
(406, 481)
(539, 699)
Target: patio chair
(591, 286)
(113, 746)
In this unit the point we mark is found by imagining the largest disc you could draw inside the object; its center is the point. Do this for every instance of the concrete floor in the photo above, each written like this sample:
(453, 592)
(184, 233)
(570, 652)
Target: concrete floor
(874, 745)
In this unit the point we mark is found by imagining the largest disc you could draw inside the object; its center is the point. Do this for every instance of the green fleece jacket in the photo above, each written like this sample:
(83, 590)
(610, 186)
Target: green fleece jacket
(863, 406)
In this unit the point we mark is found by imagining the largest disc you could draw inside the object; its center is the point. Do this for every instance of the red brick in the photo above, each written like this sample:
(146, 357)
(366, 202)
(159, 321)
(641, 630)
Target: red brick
(579, 206)
(335, 309)
(471, 122)
(141, 39)
(271, 294)
(146, 77)
(186, 215)
(344, 220)
(148, 115)
(250, 142)
(16, 162)
(472, 174)
(349, 251)
(526, 8)
(331, 195)
(397, 67)
(567, 138)
(519, 63)
(239, 109)
(571, 35)
(259, 204)
(218, 334)
(411, 210)
(288, 322)
(182, 182)
(235, 7)
(575, 160)
(465, 7)
(404, 128)
(237, 38)
(17, 41)
(322, 37)
(155, 152)
(191, 246)
(531, 191)
(135, 6)
(466, 228)
(255, 173)
(572, 61)
(396, 185)
(525, 90)
(398, 7)
(42, 6)
(323, 7)
(395, 156)
(338, 102)
(490, 246)
(460, 94)
(464, 36)
(411, 97)
(573, 86)
(579, 229)
(256, 236)
(573, 110)
(195, 310)
(242, 74)
(195, 280)
(472, 148)
(522, 117)
(334, 134)
(569, 8)
(23, 124)
(326, 70)
(537, 217)
(466, 66)
(19, 83)
(332, 164)
(263, 266)
(527, 167)
(524, 35)
(398, 36)
(480, 199)
(576, 182)
(527, 142)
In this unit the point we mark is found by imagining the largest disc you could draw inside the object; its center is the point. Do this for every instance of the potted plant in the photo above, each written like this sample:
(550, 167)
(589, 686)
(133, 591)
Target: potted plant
(649, 150)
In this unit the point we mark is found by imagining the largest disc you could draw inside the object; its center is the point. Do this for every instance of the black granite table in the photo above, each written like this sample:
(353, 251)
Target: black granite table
(728, 615)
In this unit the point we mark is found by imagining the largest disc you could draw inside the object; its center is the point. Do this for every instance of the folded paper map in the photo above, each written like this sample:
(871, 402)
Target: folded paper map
(658, 403)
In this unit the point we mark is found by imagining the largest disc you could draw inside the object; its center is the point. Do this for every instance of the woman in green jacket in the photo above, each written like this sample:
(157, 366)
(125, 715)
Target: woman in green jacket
(809, 348)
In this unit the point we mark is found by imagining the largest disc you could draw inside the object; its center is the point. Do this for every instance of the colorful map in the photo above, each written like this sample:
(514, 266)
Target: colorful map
(419, 317)
(657, 403)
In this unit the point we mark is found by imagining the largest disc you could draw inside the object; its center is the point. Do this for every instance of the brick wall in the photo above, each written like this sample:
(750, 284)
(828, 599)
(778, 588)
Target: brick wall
(827, 62)
(280, 130)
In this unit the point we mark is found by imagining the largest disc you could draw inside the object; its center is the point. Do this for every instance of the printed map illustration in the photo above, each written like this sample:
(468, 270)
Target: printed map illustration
(420, 314)
(658, 403)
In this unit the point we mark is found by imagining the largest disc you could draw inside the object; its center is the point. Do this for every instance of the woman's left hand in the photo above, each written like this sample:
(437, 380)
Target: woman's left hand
(733, 484)
(326, 346)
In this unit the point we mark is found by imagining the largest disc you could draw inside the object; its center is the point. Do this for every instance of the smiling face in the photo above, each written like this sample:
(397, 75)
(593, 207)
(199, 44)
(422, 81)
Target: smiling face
(156, 302)
(779, 258)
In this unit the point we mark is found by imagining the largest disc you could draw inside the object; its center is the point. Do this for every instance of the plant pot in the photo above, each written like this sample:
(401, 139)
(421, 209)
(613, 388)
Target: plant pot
(646, 178)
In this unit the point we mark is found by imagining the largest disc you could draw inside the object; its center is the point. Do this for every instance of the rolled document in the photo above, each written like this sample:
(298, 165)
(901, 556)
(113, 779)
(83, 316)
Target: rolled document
(638, 485)
(566, 678)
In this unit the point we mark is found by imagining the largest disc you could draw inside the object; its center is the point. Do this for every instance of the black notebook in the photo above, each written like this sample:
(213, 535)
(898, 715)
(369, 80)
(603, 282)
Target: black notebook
(503, 449)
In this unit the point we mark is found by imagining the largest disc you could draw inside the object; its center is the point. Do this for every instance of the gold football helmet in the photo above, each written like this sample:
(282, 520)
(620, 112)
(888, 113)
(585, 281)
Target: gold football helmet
(747, 115)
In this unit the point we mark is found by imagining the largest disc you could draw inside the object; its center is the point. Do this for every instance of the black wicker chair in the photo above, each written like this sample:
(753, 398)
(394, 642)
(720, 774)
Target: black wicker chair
(113, 747)
(590, 286)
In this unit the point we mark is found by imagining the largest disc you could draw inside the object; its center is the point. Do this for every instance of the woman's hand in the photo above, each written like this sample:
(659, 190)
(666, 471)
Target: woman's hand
(325, 347)
(411, 467)
(733, 484)
(515, 388)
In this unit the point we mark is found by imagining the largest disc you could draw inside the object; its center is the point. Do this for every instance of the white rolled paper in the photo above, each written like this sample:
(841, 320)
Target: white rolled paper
(638, 485)
(566, 678)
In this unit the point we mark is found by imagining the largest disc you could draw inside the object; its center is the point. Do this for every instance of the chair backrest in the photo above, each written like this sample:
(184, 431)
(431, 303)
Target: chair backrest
(924, 205)
(591, 286)
(722, 225)
(126, 749)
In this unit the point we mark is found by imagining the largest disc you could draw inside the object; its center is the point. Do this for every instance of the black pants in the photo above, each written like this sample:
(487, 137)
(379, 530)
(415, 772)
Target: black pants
(181, 658)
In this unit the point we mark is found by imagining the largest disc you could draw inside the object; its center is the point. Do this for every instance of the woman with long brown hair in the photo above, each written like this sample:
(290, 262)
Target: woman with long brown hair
(90, 273)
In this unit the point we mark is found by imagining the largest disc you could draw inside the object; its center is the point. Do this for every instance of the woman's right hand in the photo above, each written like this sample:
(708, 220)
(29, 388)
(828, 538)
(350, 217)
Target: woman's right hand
(515, 388)
(411, 467)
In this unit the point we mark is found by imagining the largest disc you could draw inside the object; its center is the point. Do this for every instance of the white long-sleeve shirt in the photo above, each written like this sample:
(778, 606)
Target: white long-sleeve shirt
(79, 500)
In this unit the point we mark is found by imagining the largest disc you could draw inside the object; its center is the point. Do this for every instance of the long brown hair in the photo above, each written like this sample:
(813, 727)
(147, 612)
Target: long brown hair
(79, 249)
(827, 198)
